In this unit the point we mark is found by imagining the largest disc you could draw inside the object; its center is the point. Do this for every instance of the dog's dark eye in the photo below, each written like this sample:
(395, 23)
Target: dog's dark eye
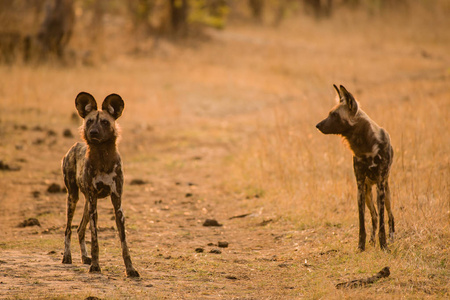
(105, 122)
(89, 122)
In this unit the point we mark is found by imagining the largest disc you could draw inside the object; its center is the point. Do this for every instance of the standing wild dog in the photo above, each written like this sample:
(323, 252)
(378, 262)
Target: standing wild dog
(95, 168)
(372, 159)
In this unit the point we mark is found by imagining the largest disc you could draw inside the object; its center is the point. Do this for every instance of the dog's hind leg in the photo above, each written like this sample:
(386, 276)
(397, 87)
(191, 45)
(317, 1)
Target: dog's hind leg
(373, 212)
(389, 211)
(81, 235)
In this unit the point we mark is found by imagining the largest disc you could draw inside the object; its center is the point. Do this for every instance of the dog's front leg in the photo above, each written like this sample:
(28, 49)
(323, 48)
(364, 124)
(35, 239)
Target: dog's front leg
(120, 222)
(95, 267)
(381, 194)
(72, 200)
(361, 211)
(81, 234)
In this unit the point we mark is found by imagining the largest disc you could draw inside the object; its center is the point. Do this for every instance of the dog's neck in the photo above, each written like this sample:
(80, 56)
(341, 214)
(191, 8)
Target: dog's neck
(361, 137)
(103, 157)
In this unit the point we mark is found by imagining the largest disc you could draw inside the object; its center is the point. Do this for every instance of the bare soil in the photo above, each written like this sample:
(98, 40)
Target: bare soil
(199, 125)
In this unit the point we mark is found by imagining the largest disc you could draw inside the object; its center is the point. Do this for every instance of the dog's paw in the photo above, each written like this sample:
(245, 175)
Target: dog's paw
(86, 260)
(67, 259)
(133, 273)
(94, 269)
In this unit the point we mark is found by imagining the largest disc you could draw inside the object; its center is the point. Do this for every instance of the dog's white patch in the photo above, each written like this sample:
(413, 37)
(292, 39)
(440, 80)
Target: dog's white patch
(110, 109)
(121, 213)
(373, 154)
(107, 179)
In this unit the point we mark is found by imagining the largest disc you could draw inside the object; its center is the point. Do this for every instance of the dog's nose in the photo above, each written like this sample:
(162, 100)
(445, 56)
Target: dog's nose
(93, 132)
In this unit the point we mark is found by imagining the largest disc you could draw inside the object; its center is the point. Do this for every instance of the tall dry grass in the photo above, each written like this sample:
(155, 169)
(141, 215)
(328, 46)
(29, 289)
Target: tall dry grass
(307, 177)
(258, 93)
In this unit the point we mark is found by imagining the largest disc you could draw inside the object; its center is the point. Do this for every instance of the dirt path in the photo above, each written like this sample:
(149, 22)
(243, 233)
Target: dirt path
(200, 126)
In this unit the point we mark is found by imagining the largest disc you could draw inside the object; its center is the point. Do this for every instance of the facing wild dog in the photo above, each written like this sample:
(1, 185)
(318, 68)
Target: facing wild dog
(95, 168)
(372, 159)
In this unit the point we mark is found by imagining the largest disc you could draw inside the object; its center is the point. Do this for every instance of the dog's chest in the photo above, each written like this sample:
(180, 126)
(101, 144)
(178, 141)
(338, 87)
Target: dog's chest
(105, 184)
(372, 167)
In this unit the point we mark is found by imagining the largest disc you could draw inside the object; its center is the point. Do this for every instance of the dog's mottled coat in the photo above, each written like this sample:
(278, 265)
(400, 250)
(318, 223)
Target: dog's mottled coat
(372, 160)
(95, 168)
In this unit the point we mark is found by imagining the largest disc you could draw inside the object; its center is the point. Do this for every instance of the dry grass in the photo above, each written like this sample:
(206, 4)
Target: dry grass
(237, 117)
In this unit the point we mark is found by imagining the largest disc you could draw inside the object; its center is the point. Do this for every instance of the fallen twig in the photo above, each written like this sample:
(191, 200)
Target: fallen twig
(239, 216)
(362, 282)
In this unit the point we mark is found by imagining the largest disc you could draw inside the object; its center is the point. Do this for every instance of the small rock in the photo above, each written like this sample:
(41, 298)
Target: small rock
(38, 141)
(231, 277)
(265, 222)
(6, 167)
(188, 195)
(20, 127)
(54, 188)
(215, 251)
(199, 250)
(67, 133)
(149, 285)
(29, 222)
(92, 298)
(223, 244)
(37, 128)
(211, 223)
(36, 194)
(52, 252)
(138, 182)
(51, 132)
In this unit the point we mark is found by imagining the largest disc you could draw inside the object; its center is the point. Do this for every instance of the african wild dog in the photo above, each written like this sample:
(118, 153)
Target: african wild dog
(372, 159)
(95, 168)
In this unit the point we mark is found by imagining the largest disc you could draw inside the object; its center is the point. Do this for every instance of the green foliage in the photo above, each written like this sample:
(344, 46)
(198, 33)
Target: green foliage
(209, 13)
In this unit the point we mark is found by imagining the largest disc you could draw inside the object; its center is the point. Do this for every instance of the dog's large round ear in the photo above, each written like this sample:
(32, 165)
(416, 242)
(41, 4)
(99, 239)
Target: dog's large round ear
(85, 103)
(338, 92)
(114, 105)
(350, 100)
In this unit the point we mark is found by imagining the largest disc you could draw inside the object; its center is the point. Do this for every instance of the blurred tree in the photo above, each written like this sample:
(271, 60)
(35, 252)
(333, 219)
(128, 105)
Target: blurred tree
(55, 31)
(179, 15)
(376, 6)
(141, 12)
(257, 9)
(320, 8)
(284, 7)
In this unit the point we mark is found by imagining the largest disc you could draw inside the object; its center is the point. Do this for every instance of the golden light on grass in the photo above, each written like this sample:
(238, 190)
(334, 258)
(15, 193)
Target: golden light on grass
(232, 122)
